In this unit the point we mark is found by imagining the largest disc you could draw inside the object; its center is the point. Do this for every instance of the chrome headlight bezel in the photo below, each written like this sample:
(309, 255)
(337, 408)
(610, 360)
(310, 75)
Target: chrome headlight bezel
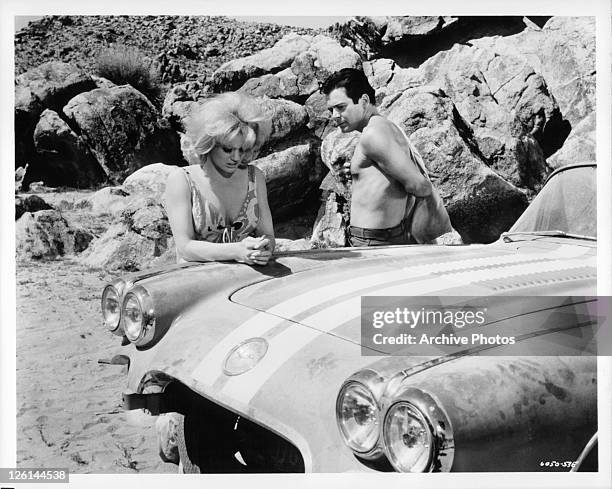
(372, 384)
(117, 288)
(429, 412)
(146, 330)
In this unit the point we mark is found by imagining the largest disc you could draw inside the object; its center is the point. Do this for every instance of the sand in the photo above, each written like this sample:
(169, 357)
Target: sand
(68, 405)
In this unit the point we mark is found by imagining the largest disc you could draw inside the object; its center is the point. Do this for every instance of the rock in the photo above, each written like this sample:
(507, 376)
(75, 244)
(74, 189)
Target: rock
(329, 56)
(499, 93)
(123, 130)
(291, 177)
(282, 85)
(180, 99)
(330, 227)
(31, 203)
(362, 34)
(336, 149)
(579, 147)
(63, 158)
(149, 181)
(329, 230)
(102, 82)
(287, 118)
(48, 86)
(108, 200)
(27, 111)
(46, 234)
(450, 238)
(291, 245)
(19, 176)
(232, 75)
(563, 52)
(514, 120)
(318, 115)
(54, 83)
(403, 28)
(410, 40)
(135, 241)
(307, 72)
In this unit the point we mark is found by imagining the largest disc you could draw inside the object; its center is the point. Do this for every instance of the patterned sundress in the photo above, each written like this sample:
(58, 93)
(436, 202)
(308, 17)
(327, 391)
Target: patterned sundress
(210, 225)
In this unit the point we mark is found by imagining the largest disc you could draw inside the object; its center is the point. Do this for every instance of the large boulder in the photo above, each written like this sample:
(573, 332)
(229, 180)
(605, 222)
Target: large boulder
(292, 176)
(148, 181)
(333, 217)
(135, 241)
(579, 147)
(288, 118)
(232, 75)
(535, 85)
(563, 52)
(123, 130)
(307, 72)
(63, 158)
(319, 117)
(48, 86)
(29, 203)
(107, 200)
(46, 235)
(284, 84)
(330, 227)
(514, 120)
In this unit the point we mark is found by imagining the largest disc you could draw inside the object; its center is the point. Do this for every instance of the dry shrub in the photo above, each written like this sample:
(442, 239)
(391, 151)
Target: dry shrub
(129, 66)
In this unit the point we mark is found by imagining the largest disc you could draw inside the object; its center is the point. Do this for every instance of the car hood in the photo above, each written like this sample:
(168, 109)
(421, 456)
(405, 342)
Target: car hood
(306, 306)
(328, 300)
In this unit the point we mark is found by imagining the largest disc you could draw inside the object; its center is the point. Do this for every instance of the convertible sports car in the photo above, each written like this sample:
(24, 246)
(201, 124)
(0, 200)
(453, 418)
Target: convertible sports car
(267, 368)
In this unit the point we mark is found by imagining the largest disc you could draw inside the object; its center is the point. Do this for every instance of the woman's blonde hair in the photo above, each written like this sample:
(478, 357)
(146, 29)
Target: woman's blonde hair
(219, 120)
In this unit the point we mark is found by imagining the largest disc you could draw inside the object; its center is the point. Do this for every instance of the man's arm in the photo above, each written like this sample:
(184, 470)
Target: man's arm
(379, 144)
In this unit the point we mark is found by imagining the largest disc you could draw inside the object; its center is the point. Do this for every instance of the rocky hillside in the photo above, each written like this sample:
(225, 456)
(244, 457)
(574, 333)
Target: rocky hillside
(185, 47)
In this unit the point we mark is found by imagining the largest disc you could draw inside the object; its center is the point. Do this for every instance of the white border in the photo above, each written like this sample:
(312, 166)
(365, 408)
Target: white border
(598, 8)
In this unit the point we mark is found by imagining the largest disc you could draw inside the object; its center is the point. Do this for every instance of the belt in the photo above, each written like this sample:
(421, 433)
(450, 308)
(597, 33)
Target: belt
(387, 233)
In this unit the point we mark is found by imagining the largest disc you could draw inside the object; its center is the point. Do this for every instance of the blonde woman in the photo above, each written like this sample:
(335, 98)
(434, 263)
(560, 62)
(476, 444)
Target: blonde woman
(218, 205)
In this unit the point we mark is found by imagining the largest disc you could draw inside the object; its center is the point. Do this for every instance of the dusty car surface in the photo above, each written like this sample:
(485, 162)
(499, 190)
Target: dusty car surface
(265, 364)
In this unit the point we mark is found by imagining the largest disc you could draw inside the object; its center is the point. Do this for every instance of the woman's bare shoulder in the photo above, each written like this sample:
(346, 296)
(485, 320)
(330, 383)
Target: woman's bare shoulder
(177, 178)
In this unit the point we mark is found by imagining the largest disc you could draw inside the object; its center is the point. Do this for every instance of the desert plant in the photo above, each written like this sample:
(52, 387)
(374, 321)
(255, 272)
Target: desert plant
(125, 65)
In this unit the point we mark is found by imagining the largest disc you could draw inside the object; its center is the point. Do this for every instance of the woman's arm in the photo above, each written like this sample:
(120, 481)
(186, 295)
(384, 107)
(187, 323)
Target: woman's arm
(178, 208)
(265, 226)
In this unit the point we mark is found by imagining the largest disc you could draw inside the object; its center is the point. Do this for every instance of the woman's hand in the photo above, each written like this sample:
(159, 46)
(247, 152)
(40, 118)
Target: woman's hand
(254, 251)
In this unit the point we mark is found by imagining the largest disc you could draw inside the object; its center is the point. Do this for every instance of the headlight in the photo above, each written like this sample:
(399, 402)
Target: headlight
(408, 438)
(245, 356)
(111, 308)
(138, 316)
(417, 434)
(358, 414)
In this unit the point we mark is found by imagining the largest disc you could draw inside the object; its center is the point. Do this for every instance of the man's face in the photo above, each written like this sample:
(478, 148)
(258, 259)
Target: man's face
(345, 114)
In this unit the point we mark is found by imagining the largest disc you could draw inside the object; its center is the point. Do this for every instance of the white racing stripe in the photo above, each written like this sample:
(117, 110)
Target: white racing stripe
(210, 368)
(289, 342)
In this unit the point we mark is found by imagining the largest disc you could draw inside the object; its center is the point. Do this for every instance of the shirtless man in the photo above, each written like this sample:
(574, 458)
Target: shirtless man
(385, 177)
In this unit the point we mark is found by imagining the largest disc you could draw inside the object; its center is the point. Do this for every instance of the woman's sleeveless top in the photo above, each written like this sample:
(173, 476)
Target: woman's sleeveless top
(210, 225)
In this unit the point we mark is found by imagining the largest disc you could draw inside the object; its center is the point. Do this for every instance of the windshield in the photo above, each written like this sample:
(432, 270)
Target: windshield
(567, 203)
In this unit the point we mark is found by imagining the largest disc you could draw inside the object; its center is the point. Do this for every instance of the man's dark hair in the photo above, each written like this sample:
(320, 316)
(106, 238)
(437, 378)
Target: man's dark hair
(353, 81)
